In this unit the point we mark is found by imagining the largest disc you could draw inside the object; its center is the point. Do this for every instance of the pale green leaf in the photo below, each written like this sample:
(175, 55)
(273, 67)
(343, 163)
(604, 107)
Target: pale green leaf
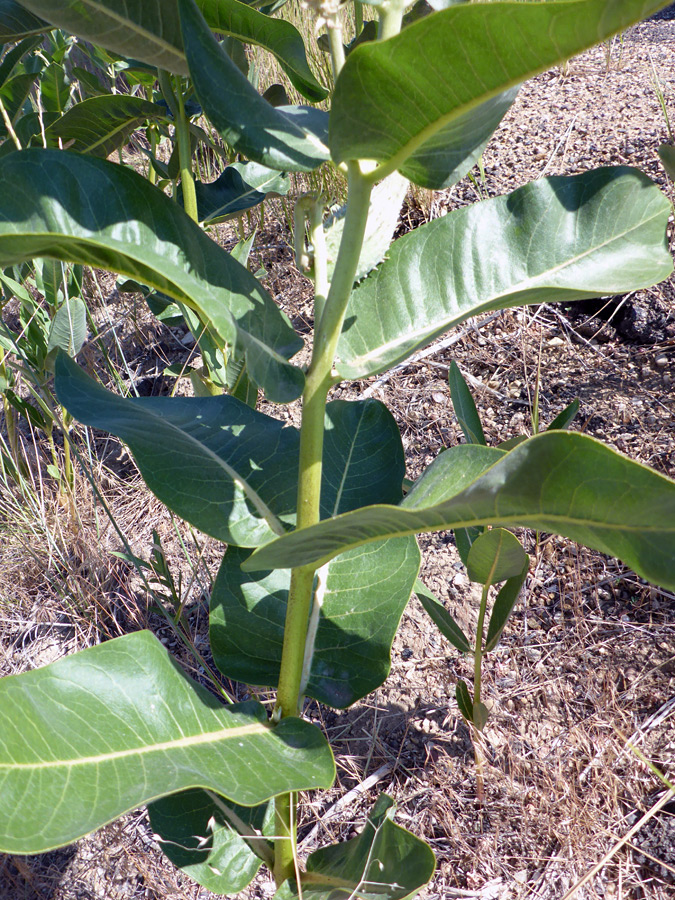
(101, 732)
(68, 330)
(495, 556)
(559, 238)
(442, 618)
(560, 482)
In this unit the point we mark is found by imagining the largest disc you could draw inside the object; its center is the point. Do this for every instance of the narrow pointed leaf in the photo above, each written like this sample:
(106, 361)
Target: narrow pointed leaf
(240, 187)
(465, 407)
(565, 418)
(282, 138)
(560, 482)
(277, 35)
(385, 862)
(464, 537)
(195, 831)
(17, 22)
(404, 101)
(13, 57)
(442, 618)
(560, 238)
(495, 556)
(101, 732)
(101, 125)
(14, 93)
(149, 32)
(464, 700)
(503, 607)
(79, 209)
(480, 715)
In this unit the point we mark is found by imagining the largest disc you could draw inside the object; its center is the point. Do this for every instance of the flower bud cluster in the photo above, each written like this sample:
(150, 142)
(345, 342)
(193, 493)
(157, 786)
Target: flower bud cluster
(326, 12)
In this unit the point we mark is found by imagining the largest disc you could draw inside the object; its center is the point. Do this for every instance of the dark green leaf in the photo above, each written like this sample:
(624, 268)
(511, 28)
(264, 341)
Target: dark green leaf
(602, 232)
(426, 101)
(14, 56)
(54, 88)
(495, 556)
(558, 481)
(16, 22)
(285, 139)
(464, 538)
(96, 734)
(667, 156)
(195, 831)
(464, 700)
(240, 187)
(442, 618)
(565, 418)
(277, 35)
(385, 862)
(100, 125)
(464, 406)
(79, 209)
(13, 94)
(480, 715)
(503, 607)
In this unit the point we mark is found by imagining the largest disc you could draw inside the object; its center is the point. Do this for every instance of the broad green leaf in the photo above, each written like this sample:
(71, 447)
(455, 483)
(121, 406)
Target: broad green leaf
(280, 37)
(16, 22)
(495, 556)
(195, 831)
(385, 862)
(226, 469)
(360, 598)
(559, 238)
(560, 482)
(55, 88)
(503, 607)
(240, 187)
(465, 407)
(426, 101)
(68, 331)
(464, 700)
(100, 125)
(282, 138)
(133, 28)
(385, 205)
(13, 57)
(13, 95)
(101, 732)
(79, 209)
(565, 418)
(442, 618)
(667, 155)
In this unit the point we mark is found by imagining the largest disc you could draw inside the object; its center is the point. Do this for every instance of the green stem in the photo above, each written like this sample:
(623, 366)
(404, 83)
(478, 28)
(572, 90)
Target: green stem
(358, 17)
(175, 102)
(478, 652)
(337, 48)
(319, 380)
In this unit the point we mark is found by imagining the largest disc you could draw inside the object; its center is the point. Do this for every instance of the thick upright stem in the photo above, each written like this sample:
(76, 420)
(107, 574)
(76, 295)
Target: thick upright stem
(391, 18)
(318, 382)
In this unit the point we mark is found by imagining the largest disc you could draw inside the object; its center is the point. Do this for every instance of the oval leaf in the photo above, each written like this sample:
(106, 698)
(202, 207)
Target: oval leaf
(495, 556)
(16, 22)
(240, 187)
(442, 618)
(557, 481)
(561, 238)
(414, 106)
(78, 209)
(101, 732)
(68, 331)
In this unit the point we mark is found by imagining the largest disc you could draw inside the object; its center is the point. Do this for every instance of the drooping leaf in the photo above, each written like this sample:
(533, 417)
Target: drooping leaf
(465, 407)
(667, 156)
(13, 57)
(13, 95)
(385, 862)
(480, 714)
(99, 125)
(442, 618)
(464, 700)
(16, 22)
(68, 331)
(96, 734)
(560, 482)
(240, 187)
(426, 101)
(464, 537)
(503, 607)
(602, 232)
(287, 139)
(195, 831)
(136, 29)
(277, 35)
(385, 205)
(79, 209)
(495, 556)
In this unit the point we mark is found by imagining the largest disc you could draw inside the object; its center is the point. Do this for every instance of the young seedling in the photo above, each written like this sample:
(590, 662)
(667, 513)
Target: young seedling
(321, 556)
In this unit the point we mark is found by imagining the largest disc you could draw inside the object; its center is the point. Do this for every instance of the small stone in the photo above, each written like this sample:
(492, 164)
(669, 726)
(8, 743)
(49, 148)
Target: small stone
(661, 361)
(555, 342)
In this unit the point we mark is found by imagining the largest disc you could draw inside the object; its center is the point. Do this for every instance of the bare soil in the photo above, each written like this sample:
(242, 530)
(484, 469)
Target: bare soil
(586, 668)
